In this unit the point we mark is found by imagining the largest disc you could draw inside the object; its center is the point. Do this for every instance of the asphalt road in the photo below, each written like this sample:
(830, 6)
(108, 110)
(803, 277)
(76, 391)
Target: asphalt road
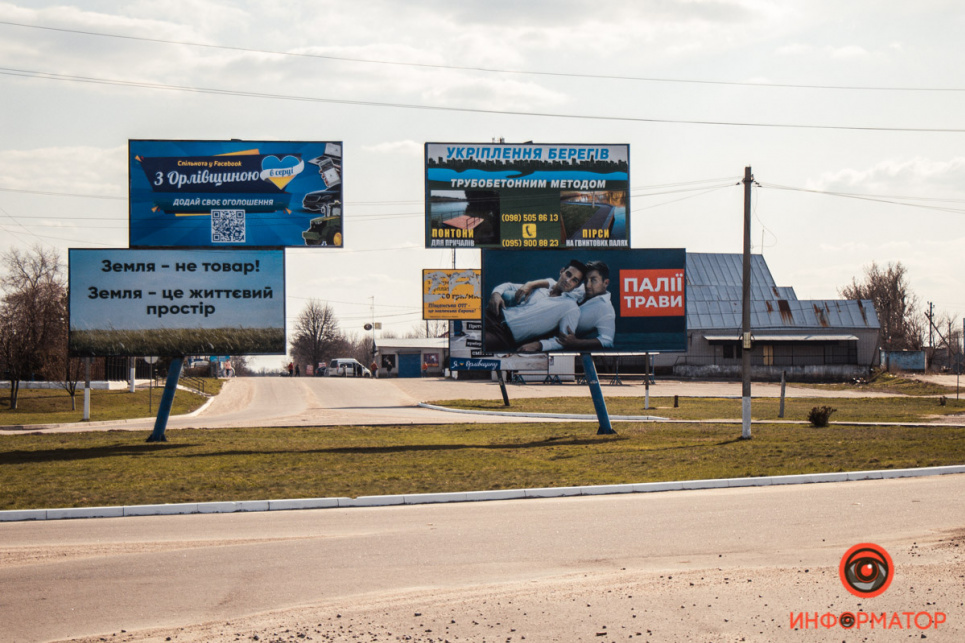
(712, 565)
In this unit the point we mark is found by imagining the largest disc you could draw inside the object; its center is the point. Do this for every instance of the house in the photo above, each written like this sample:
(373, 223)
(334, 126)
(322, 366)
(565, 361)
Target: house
(806, 339)
(412, 357)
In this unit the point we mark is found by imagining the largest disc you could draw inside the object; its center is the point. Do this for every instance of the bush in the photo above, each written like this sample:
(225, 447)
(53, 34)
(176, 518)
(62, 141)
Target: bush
(820, 415)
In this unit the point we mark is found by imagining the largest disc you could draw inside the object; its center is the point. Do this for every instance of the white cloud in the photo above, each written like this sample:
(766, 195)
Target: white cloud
(79, 170)
(920, 177)
(405, 148)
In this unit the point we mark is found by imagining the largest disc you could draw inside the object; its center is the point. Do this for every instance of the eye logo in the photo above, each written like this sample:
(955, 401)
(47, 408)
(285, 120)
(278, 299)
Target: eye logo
(866, 570)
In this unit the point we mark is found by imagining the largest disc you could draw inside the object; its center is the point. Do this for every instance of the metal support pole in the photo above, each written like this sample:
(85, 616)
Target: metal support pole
(646, 384)
(502, 388)
(780, 413)
(746, 316)
(86, 417)
(596, 392)
(167, 400)
(132, 367)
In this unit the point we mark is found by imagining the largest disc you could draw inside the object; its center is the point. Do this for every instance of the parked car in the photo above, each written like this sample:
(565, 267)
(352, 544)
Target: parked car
(347, 367)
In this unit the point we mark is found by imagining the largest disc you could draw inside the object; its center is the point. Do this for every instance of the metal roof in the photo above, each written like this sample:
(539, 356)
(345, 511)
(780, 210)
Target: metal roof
(779, 314)
(715, 292)
(715, 276)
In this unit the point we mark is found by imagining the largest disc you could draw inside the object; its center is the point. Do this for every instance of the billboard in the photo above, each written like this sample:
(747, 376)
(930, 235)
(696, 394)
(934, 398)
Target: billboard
(451, 294)
(584, 300)
(503, 195)
(177, 302)
(235, 194)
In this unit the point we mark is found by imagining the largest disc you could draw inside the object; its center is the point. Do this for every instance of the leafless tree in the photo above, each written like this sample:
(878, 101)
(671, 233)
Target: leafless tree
(317, 335)
(902, 326)
(33, 313)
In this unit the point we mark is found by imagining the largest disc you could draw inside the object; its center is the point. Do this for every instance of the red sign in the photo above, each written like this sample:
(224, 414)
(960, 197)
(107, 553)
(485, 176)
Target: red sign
(652, 293)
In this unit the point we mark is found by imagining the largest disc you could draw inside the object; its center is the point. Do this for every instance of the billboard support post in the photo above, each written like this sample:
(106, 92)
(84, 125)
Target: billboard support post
(502, 388)
(593, 381)
(167, 400)
(86, 417)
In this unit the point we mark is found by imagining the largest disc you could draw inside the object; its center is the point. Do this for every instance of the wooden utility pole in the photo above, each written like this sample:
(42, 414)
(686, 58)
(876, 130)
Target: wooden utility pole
(746, 316)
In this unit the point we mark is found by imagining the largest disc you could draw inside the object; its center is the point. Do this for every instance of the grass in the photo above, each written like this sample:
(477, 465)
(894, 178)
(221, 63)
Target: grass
(119, 468)
(52, 406)
(877, 409)
(885, 382)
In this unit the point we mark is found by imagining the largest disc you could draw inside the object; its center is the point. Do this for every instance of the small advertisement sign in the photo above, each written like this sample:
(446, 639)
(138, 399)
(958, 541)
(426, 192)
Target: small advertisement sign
(176, 302)
(584, 301)
(451, 294)
(527, 196)
(235, 194)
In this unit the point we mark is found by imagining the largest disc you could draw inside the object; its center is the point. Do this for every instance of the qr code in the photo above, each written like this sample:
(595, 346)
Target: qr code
(227, 226)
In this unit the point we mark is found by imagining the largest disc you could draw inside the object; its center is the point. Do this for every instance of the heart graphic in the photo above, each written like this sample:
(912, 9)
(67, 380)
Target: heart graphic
(281, 171)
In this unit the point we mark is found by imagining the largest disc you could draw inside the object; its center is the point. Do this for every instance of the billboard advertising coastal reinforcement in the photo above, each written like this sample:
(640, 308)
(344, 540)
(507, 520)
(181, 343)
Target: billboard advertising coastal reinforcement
(582, 300)
(527, 196)
(235, 193)
(176, 302)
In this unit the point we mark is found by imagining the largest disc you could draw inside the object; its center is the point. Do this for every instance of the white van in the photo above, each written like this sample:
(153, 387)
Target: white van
(347, 367)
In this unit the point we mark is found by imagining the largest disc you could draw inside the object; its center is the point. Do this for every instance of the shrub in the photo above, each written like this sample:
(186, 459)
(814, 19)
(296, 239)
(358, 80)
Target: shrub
(820, 415)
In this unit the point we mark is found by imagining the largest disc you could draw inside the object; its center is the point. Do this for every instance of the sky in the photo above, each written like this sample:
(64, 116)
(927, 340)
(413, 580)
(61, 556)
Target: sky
(848, 113)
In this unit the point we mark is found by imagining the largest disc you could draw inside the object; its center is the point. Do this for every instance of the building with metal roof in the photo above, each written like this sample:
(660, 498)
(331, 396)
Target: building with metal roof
(806, 339)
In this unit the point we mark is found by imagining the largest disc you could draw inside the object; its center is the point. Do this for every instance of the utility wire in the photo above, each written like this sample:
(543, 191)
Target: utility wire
(26, 73)
(869, 197)
(489, 70)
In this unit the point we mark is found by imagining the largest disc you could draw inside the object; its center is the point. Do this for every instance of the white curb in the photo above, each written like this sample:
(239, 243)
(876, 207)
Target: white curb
(465, 496)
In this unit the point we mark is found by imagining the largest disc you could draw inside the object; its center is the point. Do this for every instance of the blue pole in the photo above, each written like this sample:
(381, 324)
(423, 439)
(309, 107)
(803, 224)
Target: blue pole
(167, 400)
(593, 381)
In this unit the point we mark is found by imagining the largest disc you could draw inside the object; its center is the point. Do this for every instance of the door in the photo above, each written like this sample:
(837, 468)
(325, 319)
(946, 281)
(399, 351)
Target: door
(410, 365)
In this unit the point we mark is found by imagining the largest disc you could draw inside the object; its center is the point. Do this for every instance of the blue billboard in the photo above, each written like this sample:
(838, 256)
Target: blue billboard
(268, 194)
(176, 302)
(527, 196)
(579, 300)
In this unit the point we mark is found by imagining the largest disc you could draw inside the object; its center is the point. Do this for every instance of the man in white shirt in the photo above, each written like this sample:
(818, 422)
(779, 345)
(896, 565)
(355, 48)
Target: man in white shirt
(597, 321)
(519, 313)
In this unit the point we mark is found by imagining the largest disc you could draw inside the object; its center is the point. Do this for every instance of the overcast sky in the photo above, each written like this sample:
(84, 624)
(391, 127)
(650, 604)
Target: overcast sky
(816, 96)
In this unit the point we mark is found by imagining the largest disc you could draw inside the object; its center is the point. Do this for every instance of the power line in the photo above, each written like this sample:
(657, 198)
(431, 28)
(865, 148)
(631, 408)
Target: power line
(26, 73)
(488, 70)
(894, 200)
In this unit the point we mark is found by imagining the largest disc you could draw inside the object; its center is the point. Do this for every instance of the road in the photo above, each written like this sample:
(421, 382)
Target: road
(712, 565)
(333, 401)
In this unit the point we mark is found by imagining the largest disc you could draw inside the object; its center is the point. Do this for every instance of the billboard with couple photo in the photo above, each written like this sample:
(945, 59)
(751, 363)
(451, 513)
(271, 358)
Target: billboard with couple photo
(582, 300)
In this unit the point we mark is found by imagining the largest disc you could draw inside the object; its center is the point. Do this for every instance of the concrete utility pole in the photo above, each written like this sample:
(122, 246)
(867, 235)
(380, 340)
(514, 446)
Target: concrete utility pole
(746, 316)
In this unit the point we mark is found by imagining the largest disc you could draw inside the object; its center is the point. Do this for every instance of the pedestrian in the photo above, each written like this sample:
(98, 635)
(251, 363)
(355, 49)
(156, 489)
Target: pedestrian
(374, 367)
(298, 371)
(291, 369)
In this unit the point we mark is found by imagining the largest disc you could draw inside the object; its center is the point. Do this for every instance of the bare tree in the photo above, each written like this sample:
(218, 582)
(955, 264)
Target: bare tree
(902, 327)
(429, 328)
(317, 335)
(32, 313)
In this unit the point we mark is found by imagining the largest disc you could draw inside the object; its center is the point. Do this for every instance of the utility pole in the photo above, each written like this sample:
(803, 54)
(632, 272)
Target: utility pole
(746, 313)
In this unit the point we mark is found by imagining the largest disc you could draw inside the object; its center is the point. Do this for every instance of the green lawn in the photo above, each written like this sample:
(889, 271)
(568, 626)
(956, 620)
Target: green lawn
(868, 409)
(119, 468)
(52, 406)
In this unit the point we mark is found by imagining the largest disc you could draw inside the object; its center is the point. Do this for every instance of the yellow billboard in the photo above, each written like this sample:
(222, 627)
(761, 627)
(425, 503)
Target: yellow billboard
(451, 294)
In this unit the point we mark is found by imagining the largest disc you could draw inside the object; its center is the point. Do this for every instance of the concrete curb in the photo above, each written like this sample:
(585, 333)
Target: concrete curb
(555, 416)
(464, 496)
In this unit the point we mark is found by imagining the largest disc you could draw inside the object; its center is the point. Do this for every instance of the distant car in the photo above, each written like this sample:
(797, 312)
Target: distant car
(347, 367)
